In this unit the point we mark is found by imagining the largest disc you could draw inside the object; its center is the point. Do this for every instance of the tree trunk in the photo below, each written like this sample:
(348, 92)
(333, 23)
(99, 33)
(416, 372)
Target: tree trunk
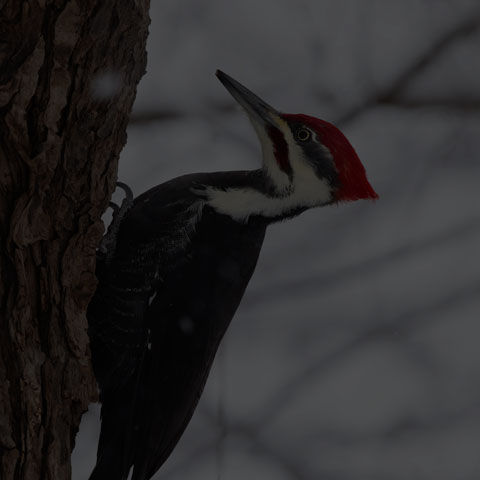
(68, 76)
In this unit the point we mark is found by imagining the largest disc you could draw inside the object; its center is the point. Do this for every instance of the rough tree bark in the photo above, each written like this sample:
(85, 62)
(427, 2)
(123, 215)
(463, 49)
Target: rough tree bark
(68, 76)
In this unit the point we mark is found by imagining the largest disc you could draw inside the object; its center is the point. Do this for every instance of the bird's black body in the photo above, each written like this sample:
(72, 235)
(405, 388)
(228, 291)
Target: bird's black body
(173, 273)
(152, 357)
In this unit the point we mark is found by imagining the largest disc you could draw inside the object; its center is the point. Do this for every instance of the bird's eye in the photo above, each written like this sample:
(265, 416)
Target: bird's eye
(303, 134)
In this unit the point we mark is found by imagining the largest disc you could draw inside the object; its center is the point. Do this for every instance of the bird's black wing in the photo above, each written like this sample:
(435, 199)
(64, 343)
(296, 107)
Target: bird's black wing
(117, 313)
(152, 241)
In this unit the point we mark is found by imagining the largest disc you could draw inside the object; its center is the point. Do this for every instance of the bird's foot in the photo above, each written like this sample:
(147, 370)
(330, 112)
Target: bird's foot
(109, 240)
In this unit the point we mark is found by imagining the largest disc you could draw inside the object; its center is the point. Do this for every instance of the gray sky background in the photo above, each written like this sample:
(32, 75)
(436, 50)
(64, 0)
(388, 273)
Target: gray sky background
(354, 354)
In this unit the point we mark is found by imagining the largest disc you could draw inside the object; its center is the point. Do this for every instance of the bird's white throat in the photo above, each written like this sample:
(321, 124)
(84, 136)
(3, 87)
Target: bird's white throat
(241, 203)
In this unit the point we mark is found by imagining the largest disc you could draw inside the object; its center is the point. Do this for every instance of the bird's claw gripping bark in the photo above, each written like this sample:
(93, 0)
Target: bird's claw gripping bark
(109, 240)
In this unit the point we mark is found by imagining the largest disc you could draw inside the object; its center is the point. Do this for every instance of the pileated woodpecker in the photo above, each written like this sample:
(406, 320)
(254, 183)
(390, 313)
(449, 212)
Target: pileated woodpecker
(174, 271)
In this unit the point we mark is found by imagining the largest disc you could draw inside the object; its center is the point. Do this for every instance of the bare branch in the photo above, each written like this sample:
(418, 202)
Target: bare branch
(391, 93)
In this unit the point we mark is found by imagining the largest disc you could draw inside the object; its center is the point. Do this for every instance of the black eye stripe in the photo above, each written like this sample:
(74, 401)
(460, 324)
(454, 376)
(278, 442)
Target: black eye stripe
(316, 154)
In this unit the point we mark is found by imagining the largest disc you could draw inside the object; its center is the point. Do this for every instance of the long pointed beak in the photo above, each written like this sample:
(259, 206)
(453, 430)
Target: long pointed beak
(256, 108)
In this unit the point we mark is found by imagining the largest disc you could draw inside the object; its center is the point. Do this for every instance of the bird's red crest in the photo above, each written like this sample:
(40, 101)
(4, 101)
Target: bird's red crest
(354, 184)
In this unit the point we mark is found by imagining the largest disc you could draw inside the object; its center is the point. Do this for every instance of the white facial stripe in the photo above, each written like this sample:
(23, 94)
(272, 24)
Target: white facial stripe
(295, 152)
(277, 176)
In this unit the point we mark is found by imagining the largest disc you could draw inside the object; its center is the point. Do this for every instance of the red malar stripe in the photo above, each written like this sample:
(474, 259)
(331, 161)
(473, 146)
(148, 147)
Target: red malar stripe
(280, 149)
